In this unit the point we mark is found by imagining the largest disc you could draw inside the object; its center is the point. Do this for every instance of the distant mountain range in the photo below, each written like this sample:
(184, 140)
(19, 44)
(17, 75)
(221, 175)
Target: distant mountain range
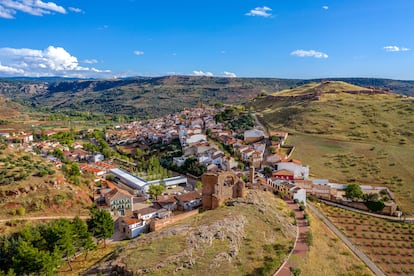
(150, 96)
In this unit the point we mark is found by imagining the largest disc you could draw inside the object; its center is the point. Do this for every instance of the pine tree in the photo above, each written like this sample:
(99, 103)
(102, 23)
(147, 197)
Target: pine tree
(82, 238)
(100, 224)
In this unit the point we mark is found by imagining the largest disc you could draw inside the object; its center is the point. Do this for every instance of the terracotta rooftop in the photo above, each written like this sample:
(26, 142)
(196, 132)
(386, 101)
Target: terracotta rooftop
(188, 196)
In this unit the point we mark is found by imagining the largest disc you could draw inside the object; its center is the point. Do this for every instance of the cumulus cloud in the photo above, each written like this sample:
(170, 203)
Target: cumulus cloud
(52, 61)
(229, 74)
(10, 70)
(77, 10)
(202, 73)
(138, 53)
(325, 8)
(309, 53)
(260, 11)
(34, 7)
(395, 49)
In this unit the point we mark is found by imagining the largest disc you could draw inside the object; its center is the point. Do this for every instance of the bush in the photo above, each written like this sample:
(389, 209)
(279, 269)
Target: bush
(375, 206)
(309, 238)
(21, 211)
(295, 271)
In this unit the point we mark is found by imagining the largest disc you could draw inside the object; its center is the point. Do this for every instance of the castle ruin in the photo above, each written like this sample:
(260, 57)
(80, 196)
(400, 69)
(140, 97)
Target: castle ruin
(220, 187)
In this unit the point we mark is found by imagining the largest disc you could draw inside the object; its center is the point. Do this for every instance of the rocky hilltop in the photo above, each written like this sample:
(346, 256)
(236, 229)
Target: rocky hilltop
(249, 236)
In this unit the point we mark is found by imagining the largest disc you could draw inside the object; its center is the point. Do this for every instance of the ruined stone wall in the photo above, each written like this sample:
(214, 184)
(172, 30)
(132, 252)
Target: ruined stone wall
(158, 224)
(220, 187)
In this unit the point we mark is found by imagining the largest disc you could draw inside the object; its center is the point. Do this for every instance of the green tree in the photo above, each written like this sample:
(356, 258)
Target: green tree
(198, 185)
(354, 191)
(58, 153)
(81, 237)
(100, 224)
(267, 170)
(59, 238)
(156, 190)
(30, 260)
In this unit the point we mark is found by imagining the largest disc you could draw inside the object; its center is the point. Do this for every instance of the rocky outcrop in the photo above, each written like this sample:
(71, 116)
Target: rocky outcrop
(214, 239)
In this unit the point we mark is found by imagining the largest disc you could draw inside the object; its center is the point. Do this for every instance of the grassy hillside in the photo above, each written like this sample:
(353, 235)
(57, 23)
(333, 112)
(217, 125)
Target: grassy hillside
(313, 87)
(31, 186)
(350, 138)
(142, 97)
(249, 238)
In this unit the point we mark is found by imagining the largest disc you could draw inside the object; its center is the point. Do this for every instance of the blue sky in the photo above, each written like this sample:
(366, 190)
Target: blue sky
(245, 38)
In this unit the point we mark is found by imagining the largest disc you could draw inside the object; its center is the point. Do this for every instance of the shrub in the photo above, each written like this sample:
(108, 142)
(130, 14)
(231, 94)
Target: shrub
(375, 206)
(21, 211)
(309, 238)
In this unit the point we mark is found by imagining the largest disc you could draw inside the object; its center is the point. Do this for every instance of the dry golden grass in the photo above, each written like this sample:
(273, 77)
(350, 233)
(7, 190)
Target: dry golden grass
(349, 138)
(80, 265)
(329, 255)
(313, 86)
(266, 225)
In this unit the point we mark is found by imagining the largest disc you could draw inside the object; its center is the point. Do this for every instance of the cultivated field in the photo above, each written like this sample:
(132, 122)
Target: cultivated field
(389, 244)
(329, 255)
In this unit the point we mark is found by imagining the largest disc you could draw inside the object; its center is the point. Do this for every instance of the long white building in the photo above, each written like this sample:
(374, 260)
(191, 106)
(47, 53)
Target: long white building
(142, 185)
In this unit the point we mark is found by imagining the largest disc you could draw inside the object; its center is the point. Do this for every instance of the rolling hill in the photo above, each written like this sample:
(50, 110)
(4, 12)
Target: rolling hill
(348, 136)
(144, 96)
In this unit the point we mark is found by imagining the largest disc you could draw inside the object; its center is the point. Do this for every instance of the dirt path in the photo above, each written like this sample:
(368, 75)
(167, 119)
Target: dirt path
(41, 218)
(258, 123)
(374, 268)
(300, 247)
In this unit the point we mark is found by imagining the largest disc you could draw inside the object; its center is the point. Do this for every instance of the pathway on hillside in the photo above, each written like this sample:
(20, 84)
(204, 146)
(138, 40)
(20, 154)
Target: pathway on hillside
(300, 247)
(41, 218)
(258, 123)
(348, 243)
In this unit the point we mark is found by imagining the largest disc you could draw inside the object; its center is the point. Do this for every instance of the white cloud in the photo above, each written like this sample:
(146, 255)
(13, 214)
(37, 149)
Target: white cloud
(309, 53)
(138, 53)
(77, 10)
(52, 61)
(229, 74)
(260, 11)
(90, 61)
(325, 8)
(34, 7)
(395, 49)
(201, 73)
(6, 13)
(10, 70)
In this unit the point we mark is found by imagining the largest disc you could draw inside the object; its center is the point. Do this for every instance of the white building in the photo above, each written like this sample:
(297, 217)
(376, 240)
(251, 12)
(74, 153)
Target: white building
(299, 171)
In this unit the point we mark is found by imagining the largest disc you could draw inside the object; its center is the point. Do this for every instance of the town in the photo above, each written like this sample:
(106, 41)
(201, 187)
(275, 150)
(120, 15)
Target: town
(209, 155)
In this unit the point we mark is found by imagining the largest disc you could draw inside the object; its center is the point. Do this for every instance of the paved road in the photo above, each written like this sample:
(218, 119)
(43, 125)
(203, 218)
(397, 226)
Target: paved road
(354, 249)
(300, 247)
(41, 218)
(404, 219)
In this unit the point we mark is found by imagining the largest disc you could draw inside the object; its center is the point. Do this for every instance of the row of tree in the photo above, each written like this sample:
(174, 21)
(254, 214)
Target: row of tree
(42, 249)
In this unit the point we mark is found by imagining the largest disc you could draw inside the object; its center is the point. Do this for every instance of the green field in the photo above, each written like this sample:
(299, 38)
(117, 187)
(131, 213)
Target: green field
(351, 138)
